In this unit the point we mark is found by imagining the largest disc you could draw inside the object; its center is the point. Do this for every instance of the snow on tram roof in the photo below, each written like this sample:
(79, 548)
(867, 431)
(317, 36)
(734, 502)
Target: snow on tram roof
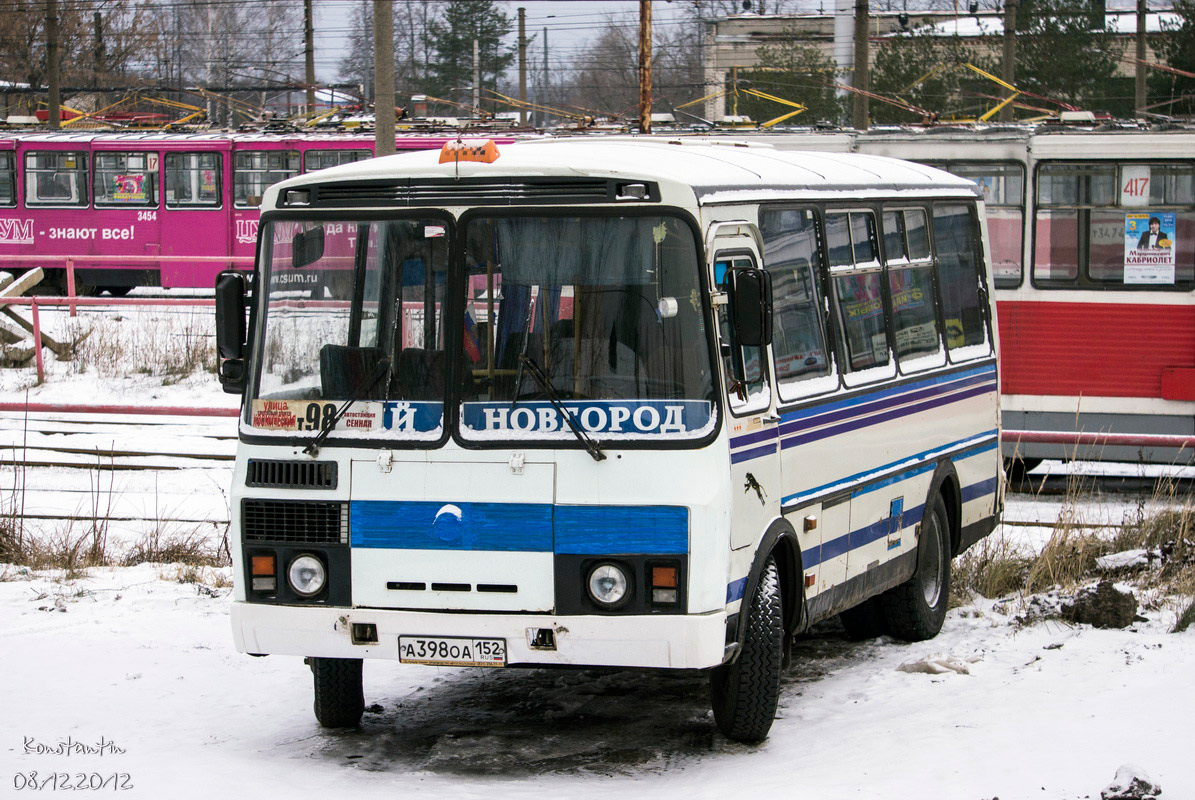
(717, 170)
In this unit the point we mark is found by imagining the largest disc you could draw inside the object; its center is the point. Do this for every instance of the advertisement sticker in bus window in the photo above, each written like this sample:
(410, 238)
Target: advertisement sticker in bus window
(1149, 247)
(1134, 186)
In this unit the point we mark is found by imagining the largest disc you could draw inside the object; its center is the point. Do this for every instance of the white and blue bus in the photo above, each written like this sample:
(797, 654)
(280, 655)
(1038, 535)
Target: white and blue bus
(612, 402)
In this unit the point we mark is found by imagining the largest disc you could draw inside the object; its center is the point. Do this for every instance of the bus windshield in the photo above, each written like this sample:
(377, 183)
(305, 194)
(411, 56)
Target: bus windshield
(598, 317)
(352, 311)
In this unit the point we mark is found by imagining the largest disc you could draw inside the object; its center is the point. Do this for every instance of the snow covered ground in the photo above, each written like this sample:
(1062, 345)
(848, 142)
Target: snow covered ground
(133, 657)
(126, 677)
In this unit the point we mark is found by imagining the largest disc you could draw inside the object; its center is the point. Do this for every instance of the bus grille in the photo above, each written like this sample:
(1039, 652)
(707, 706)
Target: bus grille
(301, 521)
(291, 474)
(446, 192)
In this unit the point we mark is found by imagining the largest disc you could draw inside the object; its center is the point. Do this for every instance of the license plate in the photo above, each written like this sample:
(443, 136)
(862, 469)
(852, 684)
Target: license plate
(452, 651)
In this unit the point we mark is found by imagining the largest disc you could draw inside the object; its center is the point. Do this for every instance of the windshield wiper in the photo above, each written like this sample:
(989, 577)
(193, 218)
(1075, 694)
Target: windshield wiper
(380, 369)
(537, 372)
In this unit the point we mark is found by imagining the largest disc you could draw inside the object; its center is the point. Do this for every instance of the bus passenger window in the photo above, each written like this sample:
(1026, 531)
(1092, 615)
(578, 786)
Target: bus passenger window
(959, 277)
(255, 170)
(193, 180)
(858, 289)
(911, 287)
(8, 179)
(793, 258)
(126, 179)
(55, 178)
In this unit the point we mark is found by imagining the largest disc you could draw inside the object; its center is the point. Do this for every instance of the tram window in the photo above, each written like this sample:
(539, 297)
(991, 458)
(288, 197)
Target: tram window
(1003, 187)
(322, 159)
(959, 276)
(126, 179)
(8, 179)
(255, 170)
(1093, 219)
(193, 180)
(55, 178)
(858, 291)
(792, 256)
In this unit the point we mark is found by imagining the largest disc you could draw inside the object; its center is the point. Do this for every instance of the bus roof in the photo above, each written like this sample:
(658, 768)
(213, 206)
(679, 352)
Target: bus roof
(715, 170)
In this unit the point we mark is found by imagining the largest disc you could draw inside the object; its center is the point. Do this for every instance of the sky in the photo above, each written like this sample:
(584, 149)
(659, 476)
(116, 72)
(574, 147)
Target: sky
(569, 25)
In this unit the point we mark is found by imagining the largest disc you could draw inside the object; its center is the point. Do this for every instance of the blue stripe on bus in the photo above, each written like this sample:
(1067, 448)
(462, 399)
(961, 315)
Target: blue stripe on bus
(886, 416)
(984, 442)
(417, 525)
(752, 438)
(755, 452)
(963, 378)
(864, 536)
(611, 530)
(867, 404)
(519, 527)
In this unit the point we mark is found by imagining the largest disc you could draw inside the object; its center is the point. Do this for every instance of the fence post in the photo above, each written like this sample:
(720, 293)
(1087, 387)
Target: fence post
(41, 367)
(70, 282)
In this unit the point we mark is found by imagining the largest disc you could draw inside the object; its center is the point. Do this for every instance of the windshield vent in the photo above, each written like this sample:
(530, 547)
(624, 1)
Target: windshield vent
(299, 521)
(291, 474)
(487, 192)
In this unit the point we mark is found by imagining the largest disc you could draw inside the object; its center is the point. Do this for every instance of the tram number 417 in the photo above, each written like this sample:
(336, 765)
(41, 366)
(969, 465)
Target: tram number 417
(1136, 187)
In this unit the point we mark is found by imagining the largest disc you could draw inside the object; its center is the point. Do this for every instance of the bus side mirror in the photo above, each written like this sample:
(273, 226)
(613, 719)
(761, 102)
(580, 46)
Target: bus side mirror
(231, 332)
(307, 247)
(750, 293)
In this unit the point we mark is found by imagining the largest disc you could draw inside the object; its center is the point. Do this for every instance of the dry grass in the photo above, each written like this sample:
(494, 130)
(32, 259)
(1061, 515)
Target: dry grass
(190, 547)
(992, 568)
(170, 346)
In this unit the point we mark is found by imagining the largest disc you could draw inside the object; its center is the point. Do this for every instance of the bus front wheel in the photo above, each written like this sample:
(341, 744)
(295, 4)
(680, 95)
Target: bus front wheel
(339, 697)
(916, 609)
(744, 693)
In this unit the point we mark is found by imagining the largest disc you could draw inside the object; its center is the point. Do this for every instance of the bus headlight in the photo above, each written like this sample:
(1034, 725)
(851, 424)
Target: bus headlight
(307, 575)
(608, 585)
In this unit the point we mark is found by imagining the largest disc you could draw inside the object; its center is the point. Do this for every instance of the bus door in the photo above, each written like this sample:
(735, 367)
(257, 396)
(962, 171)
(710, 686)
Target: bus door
(751, 421)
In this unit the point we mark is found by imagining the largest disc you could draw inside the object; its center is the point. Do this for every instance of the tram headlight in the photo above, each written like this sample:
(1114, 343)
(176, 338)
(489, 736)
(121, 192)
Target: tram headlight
(307, 575)
(608, 585)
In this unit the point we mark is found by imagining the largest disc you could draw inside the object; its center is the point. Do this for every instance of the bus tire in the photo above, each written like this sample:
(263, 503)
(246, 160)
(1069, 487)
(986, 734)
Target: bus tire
(339, 697)
(744, 693)
(916, 609)
(864, 621)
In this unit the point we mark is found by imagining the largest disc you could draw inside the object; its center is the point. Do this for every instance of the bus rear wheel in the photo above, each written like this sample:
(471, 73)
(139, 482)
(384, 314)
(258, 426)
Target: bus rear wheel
(339, 697)
(744, 693)
(916, 609)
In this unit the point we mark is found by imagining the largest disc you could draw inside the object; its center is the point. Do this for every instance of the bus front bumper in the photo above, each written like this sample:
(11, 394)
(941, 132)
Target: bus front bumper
(674, 641)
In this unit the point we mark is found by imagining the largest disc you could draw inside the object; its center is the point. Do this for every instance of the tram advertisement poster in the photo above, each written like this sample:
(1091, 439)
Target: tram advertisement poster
(1149, 245)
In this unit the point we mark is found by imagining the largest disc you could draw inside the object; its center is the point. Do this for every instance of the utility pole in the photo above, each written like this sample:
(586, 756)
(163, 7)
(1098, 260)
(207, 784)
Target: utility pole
(98, 68)
(1009, 67)
(862, 80)
(476, 76)
(52, 62)
(309, 43)
(547, 80)
(383, 77)
(522, 66)
(645, 66)
(1139, 101)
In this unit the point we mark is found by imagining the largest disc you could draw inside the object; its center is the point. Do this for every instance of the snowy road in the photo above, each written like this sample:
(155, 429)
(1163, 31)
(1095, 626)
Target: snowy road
(1047, 712)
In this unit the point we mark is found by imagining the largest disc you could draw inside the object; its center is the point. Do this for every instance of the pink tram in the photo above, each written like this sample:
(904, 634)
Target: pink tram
(1092, 237)
(94, 197)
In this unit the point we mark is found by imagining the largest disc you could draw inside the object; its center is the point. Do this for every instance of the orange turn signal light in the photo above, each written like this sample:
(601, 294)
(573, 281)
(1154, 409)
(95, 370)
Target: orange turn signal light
(663, 577)
(263, 565)
(481, 150)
